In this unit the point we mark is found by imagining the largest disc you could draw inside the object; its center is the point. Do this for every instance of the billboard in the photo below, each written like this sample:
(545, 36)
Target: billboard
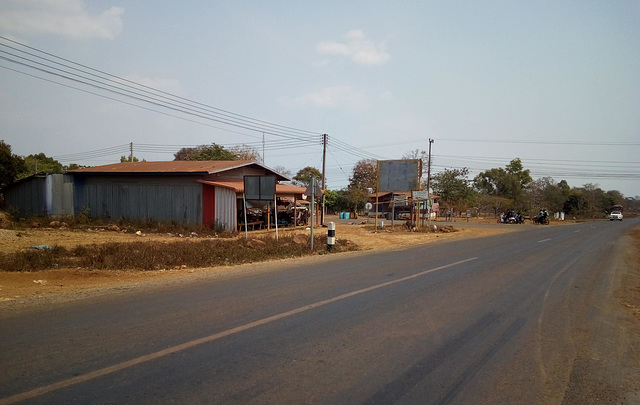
(260, 187)
(399, 175)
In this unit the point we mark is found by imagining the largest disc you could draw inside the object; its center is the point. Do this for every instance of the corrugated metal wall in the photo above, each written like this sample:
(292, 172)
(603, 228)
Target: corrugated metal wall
(172, 198)
(226, 208)
(41, 195)
(27, 196)
(59, 194)
(178, 202)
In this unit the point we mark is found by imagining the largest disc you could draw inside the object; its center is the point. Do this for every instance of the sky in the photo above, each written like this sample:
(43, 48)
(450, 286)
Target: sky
(554, 83)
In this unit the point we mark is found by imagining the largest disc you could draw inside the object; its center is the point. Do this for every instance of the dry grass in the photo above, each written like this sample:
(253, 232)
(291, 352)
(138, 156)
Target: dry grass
(156, 255)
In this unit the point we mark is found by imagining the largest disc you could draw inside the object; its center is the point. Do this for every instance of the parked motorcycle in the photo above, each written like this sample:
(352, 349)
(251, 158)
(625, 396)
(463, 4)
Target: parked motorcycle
(511, 218)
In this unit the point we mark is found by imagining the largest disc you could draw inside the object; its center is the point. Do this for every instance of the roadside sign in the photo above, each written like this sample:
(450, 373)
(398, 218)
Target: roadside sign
(399, 175)
(260, 187)
(316, 190)
(421, 194)
(400, 199)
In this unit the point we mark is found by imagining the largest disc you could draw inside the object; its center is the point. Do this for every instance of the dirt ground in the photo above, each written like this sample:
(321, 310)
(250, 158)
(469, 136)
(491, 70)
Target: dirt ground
(25, 290)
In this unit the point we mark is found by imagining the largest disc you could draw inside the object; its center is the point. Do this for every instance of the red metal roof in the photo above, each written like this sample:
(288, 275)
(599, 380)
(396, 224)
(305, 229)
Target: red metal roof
(176, 166)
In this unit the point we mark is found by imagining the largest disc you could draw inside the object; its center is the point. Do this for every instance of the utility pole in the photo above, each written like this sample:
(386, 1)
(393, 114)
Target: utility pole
(263, 148)
(324, 183)
(429, 179)
(131, 149)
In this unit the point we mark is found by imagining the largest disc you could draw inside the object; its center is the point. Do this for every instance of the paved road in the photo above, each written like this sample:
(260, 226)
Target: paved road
(529, 317)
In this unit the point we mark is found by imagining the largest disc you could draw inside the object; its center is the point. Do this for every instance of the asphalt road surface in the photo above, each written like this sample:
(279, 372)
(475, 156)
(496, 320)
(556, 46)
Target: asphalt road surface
(525, 318)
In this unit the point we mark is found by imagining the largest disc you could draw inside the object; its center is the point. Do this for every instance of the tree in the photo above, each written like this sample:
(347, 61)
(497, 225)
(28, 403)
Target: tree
(555, 195)
(205, 152)
(509, 182)
(303, 177)
(496, 204)
(544, 193)
(283, 171)
(575, 204)
(453, 187)
(364, 175)
(516, 169)
(40, 164)
(246, 152)
(72, 166)
(593, 197)
(11, 165)
(616, 197)
(356, 198)
(127, 159)
(331, 200)
(337, 200)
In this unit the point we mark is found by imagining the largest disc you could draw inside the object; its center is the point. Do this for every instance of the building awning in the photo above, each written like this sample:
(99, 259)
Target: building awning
(238, 187)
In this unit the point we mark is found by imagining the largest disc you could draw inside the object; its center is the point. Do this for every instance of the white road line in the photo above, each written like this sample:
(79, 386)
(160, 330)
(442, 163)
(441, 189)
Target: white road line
(544, 240)
(188, 345)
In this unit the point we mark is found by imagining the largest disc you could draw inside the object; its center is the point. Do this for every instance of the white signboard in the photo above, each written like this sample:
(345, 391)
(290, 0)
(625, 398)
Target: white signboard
(421, 195)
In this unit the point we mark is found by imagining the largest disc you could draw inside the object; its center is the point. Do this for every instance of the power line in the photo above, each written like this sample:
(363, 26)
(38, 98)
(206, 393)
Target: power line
(141, 93)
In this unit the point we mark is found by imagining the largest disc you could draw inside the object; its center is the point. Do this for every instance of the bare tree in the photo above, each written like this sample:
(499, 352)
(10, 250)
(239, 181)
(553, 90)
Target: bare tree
(246, 152)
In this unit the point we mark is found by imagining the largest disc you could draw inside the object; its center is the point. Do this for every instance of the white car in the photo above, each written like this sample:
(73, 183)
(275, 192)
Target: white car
(615, 215)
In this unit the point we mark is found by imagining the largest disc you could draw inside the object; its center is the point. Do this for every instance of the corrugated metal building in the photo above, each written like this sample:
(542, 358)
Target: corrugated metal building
(197, 192)
(40, 195)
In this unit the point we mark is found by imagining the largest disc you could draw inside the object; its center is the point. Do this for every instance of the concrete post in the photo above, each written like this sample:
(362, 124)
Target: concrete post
(331, 235)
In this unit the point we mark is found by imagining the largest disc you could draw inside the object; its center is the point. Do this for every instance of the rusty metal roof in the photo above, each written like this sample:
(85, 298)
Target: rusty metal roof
(238, 186)
(176, 166)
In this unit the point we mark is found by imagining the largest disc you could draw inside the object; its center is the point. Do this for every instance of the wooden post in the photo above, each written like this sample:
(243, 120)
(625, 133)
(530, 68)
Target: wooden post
(246, 226)
(275, 213)
(377, 191)
(295, 212)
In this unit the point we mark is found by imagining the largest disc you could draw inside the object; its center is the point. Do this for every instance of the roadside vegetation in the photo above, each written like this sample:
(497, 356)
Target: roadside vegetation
(490, 193)
(155, 255)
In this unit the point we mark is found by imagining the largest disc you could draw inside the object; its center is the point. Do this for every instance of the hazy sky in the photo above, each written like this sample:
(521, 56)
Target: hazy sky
(555, 83)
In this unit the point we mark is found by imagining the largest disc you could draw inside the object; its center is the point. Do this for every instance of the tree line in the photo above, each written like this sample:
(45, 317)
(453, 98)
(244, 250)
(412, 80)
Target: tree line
(491, 191)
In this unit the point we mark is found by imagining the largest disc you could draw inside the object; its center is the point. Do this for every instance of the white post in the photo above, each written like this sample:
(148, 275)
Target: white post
(331, 235)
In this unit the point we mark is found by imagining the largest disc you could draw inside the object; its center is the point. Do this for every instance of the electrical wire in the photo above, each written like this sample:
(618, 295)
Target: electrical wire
(126, 88)
(120, 89)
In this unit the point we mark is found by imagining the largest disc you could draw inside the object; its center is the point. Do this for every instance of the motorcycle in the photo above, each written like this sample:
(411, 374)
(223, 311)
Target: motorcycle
(511, 219)
(541, 219)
